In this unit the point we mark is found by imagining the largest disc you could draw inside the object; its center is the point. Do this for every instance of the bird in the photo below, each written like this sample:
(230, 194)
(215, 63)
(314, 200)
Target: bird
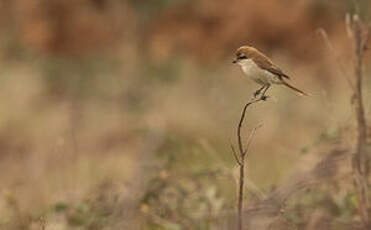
(262, 70)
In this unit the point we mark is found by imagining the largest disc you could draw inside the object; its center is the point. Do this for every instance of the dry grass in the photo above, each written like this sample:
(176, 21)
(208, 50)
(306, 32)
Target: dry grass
(136, 139)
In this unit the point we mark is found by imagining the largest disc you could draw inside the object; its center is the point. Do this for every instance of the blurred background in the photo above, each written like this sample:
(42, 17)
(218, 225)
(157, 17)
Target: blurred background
(119, 114)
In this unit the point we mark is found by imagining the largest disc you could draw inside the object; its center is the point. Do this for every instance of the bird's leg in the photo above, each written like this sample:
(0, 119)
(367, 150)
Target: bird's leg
(263, 97)
(257, 92)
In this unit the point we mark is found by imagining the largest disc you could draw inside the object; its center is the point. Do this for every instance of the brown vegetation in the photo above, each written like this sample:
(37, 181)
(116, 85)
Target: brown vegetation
(117, 115)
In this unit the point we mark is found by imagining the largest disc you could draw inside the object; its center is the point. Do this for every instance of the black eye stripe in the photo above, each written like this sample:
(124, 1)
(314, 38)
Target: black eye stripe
(242, 57)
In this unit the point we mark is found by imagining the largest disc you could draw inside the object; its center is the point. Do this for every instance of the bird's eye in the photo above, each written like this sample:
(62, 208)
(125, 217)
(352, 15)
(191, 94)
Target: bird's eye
(242, 57)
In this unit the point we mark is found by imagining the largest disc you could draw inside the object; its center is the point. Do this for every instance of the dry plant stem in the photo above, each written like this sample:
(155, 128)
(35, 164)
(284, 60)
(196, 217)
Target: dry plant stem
(359, 34)
(361, 160)
(240, 158)
(332, 50)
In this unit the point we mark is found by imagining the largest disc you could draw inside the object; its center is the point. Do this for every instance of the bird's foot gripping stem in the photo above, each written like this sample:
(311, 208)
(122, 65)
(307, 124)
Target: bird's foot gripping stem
(264, 97)
(257, 92)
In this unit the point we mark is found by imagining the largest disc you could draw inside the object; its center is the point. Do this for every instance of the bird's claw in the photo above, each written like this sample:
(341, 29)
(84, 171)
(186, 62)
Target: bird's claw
(264, 98)
(256, 93)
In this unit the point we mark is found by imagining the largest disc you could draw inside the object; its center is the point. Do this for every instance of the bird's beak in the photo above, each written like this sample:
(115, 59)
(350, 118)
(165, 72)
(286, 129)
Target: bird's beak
(234, 61)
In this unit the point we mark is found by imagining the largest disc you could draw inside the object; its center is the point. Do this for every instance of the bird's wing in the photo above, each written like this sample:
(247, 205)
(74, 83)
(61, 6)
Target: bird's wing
(266, 64)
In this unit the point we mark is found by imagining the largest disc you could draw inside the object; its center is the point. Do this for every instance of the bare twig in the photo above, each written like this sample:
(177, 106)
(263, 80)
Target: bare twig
(359, 34)
(249, 140)
(235, 155)
(240, 145)
(360, 162)
(240, 157)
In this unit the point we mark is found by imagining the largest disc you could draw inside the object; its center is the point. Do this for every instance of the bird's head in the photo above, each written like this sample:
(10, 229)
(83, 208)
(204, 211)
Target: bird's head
(243, 54)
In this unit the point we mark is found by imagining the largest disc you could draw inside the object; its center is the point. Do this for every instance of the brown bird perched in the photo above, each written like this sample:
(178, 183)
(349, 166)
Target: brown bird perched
(262, 70)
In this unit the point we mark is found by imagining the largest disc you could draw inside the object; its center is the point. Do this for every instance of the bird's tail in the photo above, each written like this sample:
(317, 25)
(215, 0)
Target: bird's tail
(300, 92)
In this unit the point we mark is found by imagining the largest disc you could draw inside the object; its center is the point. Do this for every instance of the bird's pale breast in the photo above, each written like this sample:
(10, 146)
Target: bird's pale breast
(257, 74)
